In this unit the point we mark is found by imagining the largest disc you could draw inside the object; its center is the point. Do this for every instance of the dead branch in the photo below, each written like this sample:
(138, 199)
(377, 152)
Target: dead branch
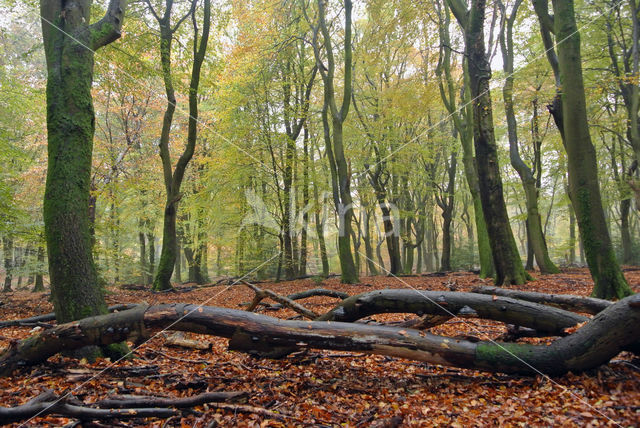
(569, 302)
(302, 295)
(117, 407)
(177, 339)
(37, 320)
(285, 301)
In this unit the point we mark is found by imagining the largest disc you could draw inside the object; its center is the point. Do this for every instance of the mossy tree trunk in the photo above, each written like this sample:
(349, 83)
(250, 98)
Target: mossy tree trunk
(319, 219)
(535, 235)
(333, 134)
(70, 43)
(584, 188)
(506, 258)
(173, 177)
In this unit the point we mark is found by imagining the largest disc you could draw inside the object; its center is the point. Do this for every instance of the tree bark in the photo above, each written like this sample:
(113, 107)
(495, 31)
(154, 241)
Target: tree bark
(7, 250)
(463, 122)
(39, 283)
(333, 135)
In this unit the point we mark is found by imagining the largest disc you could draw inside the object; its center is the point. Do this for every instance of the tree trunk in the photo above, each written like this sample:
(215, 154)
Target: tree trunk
(447, 203)
(177, 274)
(39, 284)
(584, 188)
(589, 305)
(151, 240)
(535, 236)
(7, 250)
(173, 177)
(143, 257)
(625, 232)
(506, 258)
(333, 136)
(572, 236)
(463, 122)
(593, 344)
(70, 43)
(368, 248)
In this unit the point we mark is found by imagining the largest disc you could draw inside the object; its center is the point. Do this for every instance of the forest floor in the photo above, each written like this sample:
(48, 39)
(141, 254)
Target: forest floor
(324, 388)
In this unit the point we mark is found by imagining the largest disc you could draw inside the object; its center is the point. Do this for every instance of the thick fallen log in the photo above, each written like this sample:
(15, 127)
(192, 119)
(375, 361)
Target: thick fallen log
(593, 344)
(447, 303)
(589, 305)
(28, 322)
(119, 407)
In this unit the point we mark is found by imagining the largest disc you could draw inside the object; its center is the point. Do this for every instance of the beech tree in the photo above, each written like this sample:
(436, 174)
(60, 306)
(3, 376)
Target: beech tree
(570, 115)
(462, 116)
(333, 119)
(506, 258)
(70, 42)
(173, 176)
(535, 235)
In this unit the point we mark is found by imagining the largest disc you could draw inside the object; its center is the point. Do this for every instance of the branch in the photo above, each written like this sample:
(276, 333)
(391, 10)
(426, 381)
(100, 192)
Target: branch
(109, 28)
(262, 293)
(118, 407)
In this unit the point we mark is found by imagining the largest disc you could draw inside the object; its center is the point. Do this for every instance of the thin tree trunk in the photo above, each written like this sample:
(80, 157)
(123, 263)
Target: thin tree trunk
(7, 250)
(535, 237)
(173, 177)
(39, 283)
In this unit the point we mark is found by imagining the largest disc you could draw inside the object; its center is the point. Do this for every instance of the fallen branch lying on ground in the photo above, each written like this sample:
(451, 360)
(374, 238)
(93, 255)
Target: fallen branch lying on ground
(31, 321)
(120, 407)
(592, 344)
(177, 339)
(589, 305)
(264, 293)
(447, 303)
(305, 295)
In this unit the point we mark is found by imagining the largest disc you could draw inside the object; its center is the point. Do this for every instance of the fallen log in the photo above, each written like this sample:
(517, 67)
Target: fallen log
(31, 321)
(448, 303)
(119, 407)
(589, 305)
(591, 345)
